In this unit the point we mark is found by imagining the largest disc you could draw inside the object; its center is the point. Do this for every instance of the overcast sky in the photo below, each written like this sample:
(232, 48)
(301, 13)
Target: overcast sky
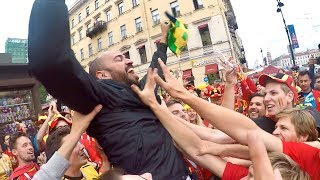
(260, 26)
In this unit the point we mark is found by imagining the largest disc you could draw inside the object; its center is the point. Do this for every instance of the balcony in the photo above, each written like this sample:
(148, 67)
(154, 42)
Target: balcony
(98, 27)
(208, 49)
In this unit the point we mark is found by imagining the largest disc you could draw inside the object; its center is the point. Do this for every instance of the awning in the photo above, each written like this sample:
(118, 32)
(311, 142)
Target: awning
(202, 26)
(186, 73)
(157, 41)
(211, 69)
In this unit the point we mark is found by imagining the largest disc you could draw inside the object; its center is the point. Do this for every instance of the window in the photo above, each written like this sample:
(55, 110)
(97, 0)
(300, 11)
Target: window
(120, 8)
(88, 26)
(143, 55)
(99, 44)
(81, 54)
(110, 37)
(155, 17)
(90, 49)
(108, 13)
(96, 4)
(138, 24)
(79, 17)
(197, 4)
(175, 8)
(123, 31)
(73, 39)
(96, 19)
(72, 23)
(127, 54)
(205, 35)
(135, 3)
(80, 34)
(88, 11)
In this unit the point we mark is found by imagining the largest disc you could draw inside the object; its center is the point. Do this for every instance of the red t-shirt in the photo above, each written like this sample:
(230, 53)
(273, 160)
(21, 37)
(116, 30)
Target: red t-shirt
(307, 157)
(234, 172)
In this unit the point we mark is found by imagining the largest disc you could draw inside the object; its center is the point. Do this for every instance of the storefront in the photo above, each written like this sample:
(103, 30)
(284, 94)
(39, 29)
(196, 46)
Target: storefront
(19, 96)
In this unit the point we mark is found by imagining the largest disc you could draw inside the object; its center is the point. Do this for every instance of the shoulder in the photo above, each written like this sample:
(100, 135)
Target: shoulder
(265, 123)
(316, 92)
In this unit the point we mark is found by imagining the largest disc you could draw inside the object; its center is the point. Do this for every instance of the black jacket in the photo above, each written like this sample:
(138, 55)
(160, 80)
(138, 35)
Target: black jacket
(130, 134)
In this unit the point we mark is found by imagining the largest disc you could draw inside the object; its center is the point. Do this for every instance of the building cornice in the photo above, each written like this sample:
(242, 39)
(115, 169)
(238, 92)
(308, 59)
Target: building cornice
(77, 5)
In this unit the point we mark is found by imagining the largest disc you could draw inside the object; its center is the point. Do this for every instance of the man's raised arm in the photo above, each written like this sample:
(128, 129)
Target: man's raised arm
(53, 62)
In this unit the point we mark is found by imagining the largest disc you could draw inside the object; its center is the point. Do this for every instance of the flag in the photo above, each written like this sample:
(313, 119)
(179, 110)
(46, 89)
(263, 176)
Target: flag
(177, 35)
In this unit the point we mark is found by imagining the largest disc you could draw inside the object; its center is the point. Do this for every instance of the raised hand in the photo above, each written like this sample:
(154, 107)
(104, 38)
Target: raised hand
(171, 85)
(81, 121)
(147, 95)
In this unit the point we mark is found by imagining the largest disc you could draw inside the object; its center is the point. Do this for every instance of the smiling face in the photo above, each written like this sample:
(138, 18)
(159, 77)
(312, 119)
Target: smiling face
(178, 110)
(257, 107)
(24, 150)
(192, 114)
(78, 158)
(276, 99)
(285, 130)
(114, 65)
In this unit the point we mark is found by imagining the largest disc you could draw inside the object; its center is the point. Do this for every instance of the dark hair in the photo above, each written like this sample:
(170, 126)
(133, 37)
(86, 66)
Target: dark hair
(316, 76)
(54, 140)
(172, 101)
(94, 66)
(303, 73)
(14, 138)
(257, 94)
(112, 174)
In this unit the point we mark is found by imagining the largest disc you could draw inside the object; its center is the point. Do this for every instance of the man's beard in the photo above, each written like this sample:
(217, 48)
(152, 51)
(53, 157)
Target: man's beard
(123, 78)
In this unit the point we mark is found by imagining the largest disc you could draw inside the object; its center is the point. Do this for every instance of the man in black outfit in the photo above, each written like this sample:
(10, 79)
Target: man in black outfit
(128, 131)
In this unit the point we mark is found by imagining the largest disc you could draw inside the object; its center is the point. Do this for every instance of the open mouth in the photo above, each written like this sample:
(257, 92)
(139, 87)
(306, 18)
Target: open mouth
(130, 71)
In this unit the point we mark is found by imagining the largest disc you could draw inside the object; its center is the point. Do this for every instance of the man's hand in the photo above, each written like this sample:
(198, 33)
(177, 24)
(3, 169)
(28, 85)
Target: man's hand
(147, 95)
(81, 122)
(231, 76)
(164, 32)
(42, 159)
(171, 85)
(261, 164)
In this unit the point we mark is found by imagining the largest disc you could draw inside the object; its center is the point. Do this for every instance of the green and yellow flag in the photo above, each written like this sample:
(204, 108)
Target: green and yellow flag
(177, 35)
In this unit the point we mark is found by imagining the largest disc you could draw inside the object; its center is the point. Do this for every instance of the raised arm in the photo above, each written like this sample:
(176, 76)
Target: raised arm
(232, 123)
(160, 53)
(228, 95)
(53, 62)
(58, 163)
(184, 137)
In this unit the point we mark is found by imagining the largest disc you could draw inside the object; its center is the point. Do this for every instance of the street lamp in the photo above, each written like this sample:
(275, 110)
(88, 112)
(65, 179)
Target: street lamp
(280, 5)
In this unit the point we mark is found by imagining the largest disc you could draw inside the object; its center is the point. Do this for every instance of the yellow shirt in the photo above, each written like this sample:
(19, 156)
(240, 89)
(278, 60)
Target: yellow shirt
(5, 167)
(89, 173)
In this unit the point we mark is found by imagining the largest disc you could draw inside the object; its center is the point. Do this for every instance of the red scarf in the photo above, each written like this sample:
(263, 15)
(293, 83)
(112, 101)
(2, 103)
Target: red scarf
(25, 172)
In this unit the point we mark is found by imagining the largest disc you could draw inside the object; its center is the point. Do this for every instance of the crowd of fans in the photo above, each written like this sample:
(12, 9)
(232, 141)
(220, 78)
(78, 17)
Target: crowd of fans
(122, 128)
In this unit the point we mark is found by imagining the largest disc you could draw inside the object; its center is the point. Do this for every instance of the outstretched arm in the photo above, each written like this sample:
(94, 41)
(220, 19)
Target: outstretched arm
(184, 137)
(232, 123)
(53, 62)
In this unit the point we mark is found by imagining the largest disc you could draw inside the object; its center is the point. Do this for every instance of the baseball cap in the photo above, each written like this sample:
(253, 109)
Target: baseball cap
(54, 122)
(280, 78)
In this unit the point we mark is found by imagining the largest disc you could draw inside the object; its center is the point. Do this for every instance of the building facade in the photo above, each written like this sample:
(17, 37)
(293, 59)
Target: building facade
(133, 27)
(301, 58)
(18, 48)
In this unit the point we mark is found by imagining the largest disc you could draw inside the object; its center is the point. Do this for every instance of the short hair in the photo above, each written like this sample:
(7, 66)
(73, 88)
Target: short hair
(257, 94)
(284, 87)
(316, 76)
(303, 122)
(288, 168)
(112, 174)
(303, 73)
(172, 101)
(54, 140)
(14, 138)
(95, 66)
